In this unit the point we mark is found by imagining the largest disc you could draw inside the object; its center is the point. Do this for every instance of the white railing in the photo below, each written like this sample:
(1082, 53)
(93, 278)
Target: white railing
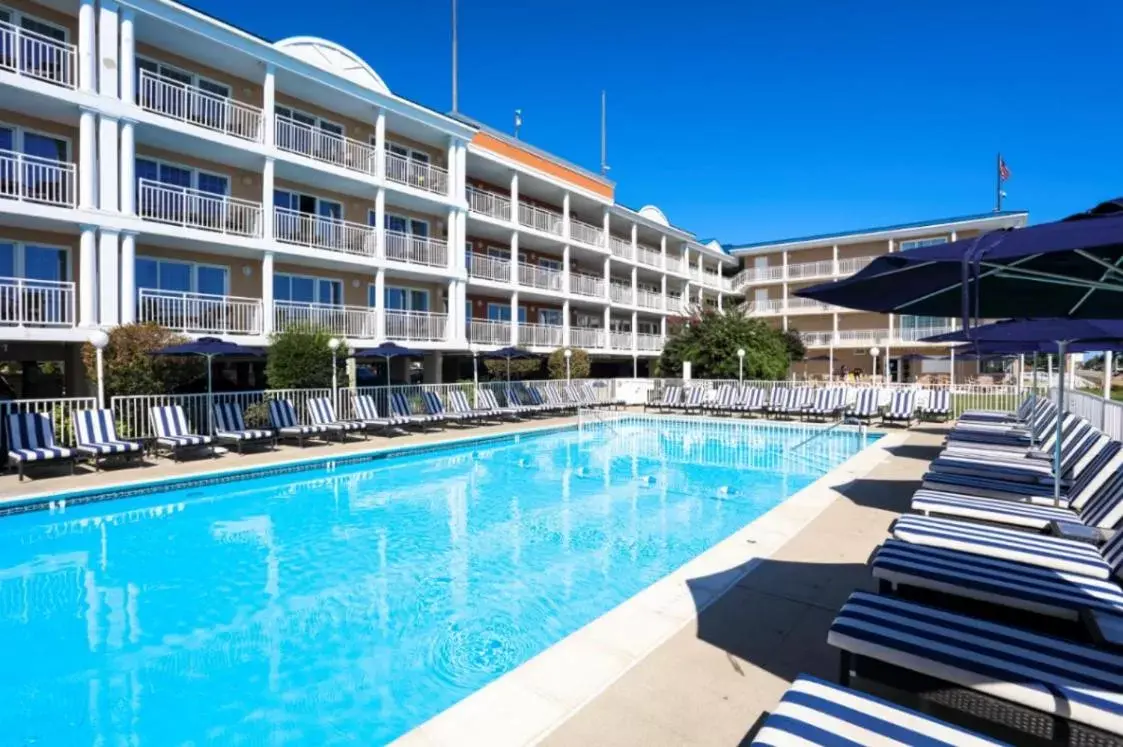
(323, 146)
(541, 335)
(711, 279)
(533, 276)
(805, 270)
(320, 232)
(36, 56)
(586, 285)
(860, 337)
(586, 337)
(535, 217)
(648, 256)
(585, 233)
(186, 103)
(620, 247)
(490, 204)
(34, 179)
(36, 303)
(798, 305)
(1105, 414)
(415, 326)
(417, 174)
(131, 412)
(649, 299)
(765, 306)
(621, 293)
(200, 313)
(674, 264)
(488, 332)
(416, 250)
(489, 268)
(59, 409)
(620, 340)
(349, 321)
(848, 337)
(645, 341)
(817, 339)
(191, 208)
(758, 275)
(852, 265)
(914, 334)
(677, 304)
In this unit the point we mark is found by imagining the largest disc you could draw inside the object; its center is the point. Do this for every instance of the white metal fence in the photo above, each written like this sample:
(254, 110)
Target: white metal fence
(187, 103)
(534, 276)
(35, 179)
(193, 208)
(535, 217)
(417, 250)
(200, 313)
(487, 203)
(415, 326)
(36, 303)
(620, 247)
(489, 332)
(131, 412)
(586, 285)
(418, 174)
(489, 268)
(324, 146)
(322, 232)
(349, 321)
(37, 56)
(1105, 414)
(585, 233)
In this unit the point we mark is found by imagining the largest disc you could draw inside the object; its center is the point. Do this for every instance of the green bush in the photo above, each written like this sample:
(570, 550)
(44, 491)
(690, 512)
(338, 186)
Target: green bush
(300, 358)
(710, 342)
(520, 369)
(130, 368)
(578, 364)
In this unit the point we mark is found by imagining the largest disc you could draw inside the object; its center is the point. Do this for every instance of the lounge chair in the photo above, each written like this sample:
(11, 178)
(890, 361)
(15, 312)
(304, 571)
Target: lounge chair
(95, 436)
(321, 412)
(902, 408)
(1021, 414)
(668, 401)
(779, 399)
(527, 400)
(1010, 678)
(691, 401)
(366, 412)
(825, 405)
(865, 407)
(550, 394)
(282, 417)
(937, 407)
(399, 405)
(583, 396)
(722, 401)
(751, 401)
(799, 402)
(814, 712)
(170, 425)
(460, 407)
(596, 400)
(31, 438)
(230, 428)
(1019, 438)
(491, 404)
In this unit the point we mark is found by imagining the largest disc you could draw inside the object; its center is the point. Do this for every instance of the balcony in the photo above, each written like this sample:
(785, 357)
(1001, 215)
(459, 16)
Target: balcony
(191, 208)
(36, 56)
(674, 264)
(713, 280)
(329, 234)
(586, 285)
(416, 250)
(620, 340)
(621, 248)
(678, 304)
(200, 313)
(586, 337)
(801, 271)
(347, 321)
(793, 306)
(859, 338)
(809, 270)
(649, 342)
(25, 302)
(764, 307)
(586, 233)
(417, 174)
(185, 103)
(541, 335)
(485, 267)
(533, 276)
(647, 299)
(848, 267)
(415, 326)
(491, 204)
(489, 332)
(758, 275)
(914, 334)
(620, 293)
(33, 179)
(325, 147)
(535, 217)
(648, 256)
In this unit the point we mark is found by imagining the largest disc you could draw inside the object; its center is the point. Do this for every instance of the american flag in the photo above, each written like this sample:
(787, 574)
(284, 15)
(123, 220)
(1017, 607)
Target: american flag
(1003, 170)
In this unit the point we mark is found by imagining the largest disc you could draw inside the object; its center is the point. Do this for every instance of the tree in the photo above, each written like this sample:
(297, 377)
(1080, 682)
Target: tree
(797, 351)
(710, 342)
(300, 358)
(130, 367)
(578, 364)
(521, 368)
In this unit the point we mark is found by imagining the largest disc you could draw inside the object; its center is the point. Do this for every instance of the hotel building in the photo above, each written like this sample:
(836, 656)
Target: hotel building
(771, 272)
(159, 165)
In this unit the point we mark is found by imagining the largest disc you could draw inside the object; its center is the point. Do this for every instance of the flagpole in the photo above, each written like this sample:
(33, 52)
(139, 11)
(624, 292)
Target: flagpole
(998, 184)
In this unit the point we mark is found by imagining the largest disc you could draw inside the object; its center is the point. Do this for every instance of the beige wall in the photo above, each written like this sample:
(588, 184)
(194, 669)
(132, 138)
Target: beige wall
(246, 91)
(859, 320)
(240, 284)
(480, 301)
(811, 323)
(245, 185)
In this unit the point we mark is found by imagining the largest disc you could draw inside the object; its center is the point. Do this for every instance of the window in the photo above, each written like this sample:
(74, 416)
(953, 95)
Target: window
(34, 261)
(34, 178)
(404, 299)
(302, 289)
(550, 264)
(501, 312)
(405, 152)
(37, 144)
(309, 134)
(174, 175)
(412, 226)
(183, 277)
(552, 317)
(917, 243)
(496, 252)
(647, 328)
(181, 93)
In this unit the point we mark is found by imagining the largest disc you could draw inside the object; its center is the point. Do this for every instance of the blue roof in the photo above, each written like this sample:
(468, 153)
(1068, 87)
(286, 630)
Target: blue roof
(875, 229)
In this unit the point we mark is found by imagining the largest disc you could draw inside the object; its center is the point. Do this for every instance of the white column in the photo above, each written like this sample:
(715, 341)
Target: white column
(662, 248)
(267, 292)
(565, 323)
(635, 331)
(455, 246)
(608, 229)
(380, 303)
(107, 50)
(514, 258)
(514, 318)
(635, 240)
(663, 328)
(720, 301)
(453, 161)
(663, 290)
(607, 326)
(380, 219)
(607, 278)
(453, 316)
(565, 269)
(269, 104)
(953, 236)
(834, 260)
(267, 187)
(87, 277)
(107, 164)
(128, 167)
(87, 159)
(461, 243)
(128, 277)
(108, 274)
(565, 216)
(635, 286)
(380, 142)
(892, 246)
(127, 63)
(87, 46)
(515, 197)
(462, 169)
(1108, 370)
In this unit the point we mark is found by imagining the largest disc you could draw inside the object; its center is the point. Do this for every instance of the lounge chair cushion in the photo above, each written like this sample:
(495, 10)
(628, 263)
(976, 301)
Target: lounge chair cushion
(250, 434)
(103, 448)
(31, 438)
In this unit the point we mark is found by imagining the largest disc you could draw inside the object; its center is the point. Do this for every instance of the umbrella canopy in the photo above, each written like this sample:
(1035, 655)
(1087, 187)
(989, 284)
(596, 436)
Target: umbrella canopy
(209, 348)
(1039, 331)
(1069, 268)
(387, 351)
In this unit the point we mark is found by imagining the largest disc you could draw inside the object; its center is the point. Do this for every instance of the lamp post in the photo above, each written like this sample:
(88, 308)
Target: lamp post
(334, 343)
(568, 354)
(741, 365)
(99, 340)
(874, 352)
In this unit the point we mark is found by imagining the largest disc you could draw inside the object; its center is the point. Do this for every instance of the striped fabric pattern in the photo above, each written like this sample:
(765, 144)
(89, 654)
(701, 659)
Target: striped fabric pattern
(399, 405)
(282, 416)
(229, 423)
(460, 404)
(752, 399)
(95, 432)
(31, 438)
(1002, 582)
(170, 424)
(692, 397)
(800, 399)
(671, 396)
(524, 400)
(726, 394)
(939, 402)
(779, 400)
(903, 405)
(488, 402)
(1024, 409)
(436, 408)
(824, 402)
(1074, 449)
(816, 712)
(367, 411)
(865, 406)
(321, 411)
(1058, 677)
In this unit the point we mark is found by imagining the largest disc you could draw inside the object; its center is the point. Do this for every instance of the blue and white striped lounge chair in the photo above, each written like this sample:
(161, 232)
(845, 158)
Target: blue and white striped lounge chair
(282, 417)
(321, 411)
(993, 416)
(578, 398)
(723, 402)
(230, 427)
(779, 400)
(553, 396)
(1004, 583)
(597, 400)
(95, 436)
(1017, 445)
(170, 425)
(902, 408)
(489, 404)
(938, 406)
(31, 438)
(399, 405)
(1044, 409)
(366, 412)
(1016, 678)
(865, 405)
(817, 713)
(799, 401)
(823, 406)
(668, 401)
(526, 400)
(461, 407)
(692, 398)
(436, 408)
(752, 400)
(1012, 437)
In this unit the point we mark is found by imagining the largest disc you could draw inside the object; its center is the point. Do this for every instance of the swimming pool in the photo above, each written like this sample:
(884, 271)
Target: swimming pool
(356, 600)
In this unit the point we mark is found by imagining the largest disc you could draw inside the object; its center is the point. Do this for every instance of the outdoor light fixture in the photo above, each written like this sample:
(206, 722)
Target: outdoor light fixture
(334, 344)
(568, 355)
(741, 365)
(99, 340)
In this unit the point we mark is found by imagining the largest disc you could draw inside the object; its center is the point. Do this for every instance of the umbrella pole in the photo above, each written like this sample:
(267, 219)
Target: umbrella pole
(1061, 345)
(210, 398)
(1033, 407)
(830, 365)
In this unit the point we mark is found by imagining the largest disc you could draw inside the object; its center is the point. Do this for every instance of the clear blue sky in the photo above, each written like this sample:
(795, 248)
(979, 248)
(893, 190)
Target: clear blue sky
(758, 119)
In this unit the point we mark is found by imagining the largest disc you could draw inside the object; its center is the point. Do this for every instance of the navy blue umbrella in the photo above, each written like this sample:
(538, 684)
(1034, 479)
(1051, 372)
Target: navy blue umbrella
(509, 354)
(209, 348)
(388, 351)
(1070, 268)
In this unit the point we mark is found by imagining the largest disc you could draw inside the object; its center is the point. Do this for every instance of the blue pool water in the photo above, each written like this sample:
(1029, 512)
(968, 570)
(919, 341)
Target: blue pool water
(352, 603)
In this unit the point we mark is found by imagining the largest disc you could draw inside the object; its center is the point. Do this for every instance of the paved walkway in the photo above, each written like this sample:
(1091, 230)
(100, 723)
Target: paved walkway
(712, 682)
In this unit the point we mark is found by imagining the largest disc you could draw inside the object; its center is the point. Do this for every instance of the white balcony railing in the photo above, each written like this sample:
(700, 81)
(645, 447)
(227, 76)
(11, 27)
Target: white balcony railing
(200, 313)
(586, 233)
(808, 306)
(25, 302)
(677, 303)
(489, 332)
(319, 232)
(620, 247)
(323, 146)
(621, 293)
(648, 256)
(852, 265)
(648, 342)
(37, 56)
(489, 268)
(915, 334)
(674, 264)
(534, 276)
(34, 179)
(541, 335)
(416, 250)
(620, 340)
(535, 217)
(649, 299)
(808, 270)
(348, 321)
(417, 174)
(816, 339)
(192, 208)
(415, 326)
(586, 285)
(186, 103)
(586, 337)
(765, 306)
(491, 204)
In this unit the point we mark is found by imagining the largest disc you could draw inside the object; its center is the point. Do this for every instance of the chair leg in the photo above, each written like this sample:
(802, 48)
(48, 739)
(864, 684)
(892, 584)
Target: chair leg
(20, 471)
